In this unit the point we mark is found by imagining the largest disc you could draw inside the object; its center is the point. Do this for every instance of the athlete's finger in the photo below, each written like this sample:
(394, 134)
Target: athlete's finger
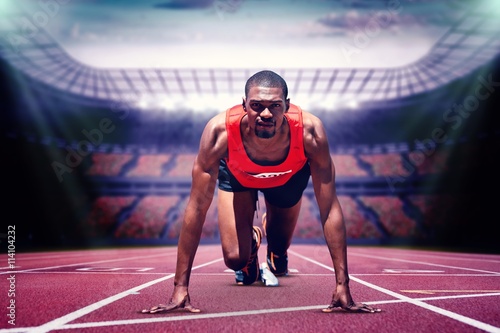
(360, 307)
(332, 306)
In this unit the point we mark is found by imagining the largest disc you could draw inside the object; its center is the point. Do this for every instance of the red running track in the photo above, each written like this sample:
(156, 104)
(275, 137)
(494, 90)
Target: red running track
(102, 290)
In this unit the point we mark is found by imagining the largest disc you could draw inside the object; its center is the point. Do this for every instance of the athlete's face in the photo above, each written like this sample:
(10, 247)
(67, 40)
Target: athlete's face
(265, 108)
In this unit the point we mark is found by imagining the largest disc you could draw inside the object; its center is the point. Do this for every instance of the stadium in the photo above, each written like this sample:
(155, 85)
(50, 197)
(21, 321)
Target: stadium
(99, 155)
(414, 147)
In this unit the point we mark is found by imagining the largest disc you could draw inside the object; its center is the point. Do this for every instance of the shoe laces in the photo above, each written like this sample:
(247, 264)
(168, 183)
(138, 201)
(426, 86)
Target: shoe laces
(273, 255)
(255, 248)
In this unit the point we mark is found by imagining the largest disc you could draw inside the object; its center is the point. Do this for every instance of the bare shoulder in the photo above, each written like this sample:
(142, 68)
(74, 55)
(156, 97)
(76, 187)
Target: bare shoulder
(217, 124)
(315, 137)
(311, 121)
(213, 143)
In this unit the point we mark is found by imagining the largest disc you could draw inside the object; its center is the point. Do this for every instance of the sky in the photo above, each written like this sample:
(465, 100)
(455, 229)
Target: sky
(246, 33)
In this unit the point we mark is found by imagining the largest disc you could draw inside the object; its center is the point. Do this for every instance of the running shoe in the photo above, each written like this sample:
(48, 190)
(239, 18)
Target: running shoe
(267, 277)
(251, 272)
(278, 264)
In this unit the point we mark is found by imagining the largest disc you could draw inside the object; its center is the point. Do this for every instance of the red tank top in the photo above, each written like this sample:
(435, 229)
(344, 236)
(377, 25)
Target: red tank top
(253, 175)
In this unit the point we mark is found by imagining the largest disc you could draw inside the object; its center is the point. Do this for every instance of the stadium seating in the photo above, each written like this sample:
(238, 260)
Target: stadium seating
(148, 219)
(309, 224)
(126, 210)
(211, 227)
(104, 214)
(357, 225)
(435, 162)
(149, 165)
(389, 210)
(374, 217)
(175, 219)
(387, 164)
(183, 165)
(346, 165)
(108, 164)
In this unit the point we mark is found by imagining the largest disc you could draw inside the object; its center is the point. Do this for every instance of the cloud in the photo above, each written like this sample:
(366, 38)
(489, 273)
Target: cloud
(389, 20)
(363, 4)
(184, 4)
(353, 19)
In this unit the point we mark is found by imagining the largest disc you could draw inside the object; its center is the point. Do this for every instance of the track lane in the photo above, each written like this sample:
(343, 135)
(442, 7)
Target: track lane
(297, 302)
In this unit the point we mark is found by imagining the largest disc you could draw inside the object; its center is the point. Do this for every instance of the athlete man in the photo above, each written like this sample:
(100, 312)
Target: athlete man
(265, 144)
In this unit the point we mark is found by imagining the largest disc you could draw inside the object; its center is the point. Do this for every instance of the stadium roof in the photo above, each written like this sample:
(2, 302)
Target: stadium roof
(470, 42)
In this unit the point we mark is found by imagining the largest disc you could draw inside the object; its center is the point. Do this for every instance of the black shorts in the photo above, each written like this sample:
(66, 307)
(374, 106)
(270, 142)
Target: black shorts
(284, 196)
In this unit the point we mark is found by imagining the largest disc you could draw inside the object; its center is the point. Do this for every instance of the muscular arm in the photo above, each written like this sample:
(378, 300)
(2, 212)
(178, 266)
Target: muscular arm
(323, 178)
(213, 146)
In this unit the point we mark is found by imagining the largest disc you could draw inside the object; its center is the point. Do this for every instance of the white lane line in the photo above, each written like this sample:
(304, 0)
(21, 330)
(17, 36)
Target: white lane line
(405, 270)
(438, 298)
(89, 263)
(422, 263)
(31, 256)
(466, 320)
(156, 319)
(294, 274)
(104, 273)
(2, 268)
(61, 321)
(92, 262)
(60, 255)
(231, 314)
(437, 291)
(215, 315)
(436, 256)
(494, 258)
(406, 274)
(139, 273)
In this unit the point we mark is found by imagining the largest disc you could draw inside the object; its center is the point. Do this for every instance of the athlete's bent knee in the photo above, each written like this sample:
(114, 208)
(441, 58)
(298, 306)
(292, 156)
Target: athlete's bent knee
(234, 261)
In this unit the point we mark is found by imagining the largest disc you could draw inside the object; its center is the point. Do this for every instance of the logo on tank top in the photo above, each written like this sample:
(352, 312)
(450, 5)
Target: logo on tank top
(269, 174)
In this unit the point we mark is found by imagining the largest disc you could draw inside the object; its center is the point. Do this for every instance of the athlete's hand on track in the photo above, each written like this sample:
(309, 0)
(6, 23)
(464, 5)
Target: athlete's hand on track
(352, 307)
(180, 300)
(342, 299)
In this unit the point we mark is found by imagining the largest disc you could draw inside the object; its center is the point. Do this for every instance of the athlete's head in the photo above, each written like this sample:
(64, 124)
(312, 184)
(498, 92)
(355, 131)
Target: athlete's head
(266, 103)
(268, 79)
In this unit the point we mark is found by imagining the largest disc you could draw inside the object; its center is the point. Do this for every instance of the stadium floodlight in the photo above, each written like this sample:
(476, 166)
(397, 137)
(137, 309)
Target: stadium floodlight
(218, 102)
(142, 103)
(165, 104)
(472, 40)
(353, 104)
(330, 103)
